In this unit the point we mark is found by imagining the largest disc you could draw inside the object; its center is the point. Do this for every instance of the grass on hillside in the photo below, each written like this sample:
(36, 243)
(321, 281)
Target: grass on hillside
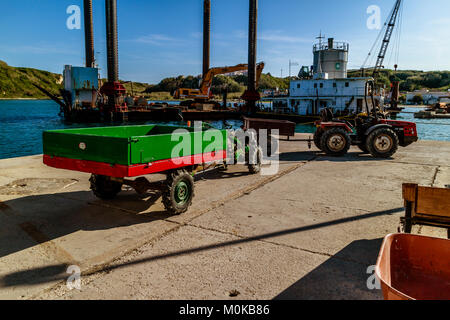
(17, 82)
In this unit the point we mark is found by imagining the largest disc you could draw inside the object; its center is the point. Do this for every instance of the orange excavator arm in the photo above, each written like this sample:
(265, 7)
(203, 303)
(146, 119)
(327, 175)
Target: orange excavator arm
(206, 84)
(205, 87)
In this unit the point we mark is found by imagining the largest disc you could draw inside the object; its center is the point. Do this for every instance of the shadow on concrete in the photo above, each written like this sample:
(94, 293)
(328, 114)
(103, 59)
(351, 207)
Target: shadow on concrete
(36, 276)
(320, 156)
(300, 156)
(342, 277)
(31, 220)
(21, 278)
(42, 218)
(218, 174)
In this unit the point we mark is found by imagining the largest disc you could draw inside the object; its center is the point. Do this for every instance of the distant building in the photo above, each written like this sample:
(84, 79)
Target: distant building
(237, 73)
(428, 97)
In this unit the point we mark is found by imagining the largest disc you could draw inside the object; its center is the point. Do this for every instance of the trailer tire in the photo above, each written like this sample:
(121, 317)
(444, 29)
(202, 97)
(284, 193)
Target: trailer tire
(335, 142)
(179, 192)
(104, 188)
(317, 138)
(254, 161)
(382, 143)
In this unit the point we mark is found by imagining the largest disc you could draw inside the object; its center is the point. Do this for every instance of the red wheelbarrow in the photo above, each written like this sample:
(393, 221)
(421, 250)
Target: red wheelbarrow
(412, 267)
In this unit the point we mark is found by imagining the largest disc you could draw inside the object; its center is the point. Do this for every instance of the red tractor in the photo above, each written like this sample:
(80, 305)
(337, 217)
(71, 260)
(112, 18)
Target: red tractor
(372, 133)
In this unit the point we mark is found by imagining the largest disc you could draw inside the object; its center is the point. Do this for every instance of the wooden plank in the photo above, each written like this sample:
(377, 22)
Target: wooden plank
(433, 201)
(409, 192)
(432, 221)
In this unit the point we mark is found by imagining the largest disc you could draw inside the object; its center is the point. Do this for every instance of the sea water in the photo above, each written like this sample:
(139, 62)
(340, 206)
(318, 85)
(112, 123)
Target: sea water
(23, 121)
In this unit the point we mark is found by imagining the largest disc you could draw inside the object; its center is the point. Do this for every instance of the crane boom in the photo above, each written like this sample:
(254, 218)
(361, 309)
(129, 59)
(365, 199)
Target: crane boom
(387, 38)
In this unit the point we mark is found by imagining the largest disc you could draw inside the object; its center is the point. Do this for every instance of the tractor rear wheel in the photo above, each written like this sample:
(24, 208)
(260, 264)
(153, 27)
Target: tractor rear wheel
(335, 142)
(104, 188)
(179, 192)
(382, 143)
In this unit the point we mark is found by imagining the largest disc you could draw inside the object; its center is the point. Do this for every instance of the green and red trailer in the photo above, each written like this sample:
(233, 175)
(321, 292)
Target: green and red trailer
(124, 155)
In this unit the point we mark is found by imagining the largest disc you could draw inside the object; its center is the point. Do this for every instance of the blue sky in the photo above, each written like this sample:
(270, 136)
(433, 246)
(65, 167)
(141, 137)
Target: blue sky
(159, 38)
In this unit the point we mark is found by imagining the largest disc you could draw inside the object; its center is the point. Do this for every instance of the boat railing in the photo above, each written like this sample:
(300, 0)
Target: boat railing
(335, 46)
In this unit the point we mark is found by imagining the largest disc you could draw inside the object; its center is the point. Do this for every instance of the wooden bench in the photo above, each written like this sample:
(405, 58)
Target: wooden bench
(426, 206)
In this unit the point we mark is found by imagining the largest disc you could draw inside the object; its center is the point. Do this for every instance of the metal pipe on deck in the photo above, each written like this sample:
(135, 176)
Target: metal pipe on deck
(111, 40)
(206, 35)
(89, 34)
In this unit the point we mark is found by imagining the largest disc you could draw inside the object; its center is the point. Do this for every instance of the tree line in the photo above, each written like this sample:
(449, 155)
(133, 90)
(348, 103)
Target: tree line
(220, 84)
(411, 80)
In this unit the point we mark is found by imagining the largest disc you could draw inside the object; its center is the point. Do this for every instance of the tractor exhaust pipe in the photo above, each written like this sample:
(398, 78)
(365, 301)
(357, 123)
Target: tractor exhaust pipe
(89, 34)
(111, 40)
(206, 35)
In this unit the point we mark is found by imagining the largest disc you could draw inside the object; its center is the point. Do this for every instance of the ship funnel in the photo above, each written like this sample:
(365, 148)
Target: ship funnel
(330, 43)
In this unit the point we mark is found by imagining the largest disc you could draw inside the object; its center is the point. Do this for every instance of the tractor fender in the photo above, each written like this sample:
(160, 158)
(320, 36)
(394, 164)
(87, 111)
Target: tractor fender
(376, 127)
(331, 125)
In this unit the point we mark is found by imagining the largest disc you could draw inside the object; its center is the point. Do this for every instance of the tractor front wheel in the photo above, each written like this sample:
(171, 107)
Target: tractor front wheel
(382, 143)
(104, 188)
(335, 142)
(179, 192)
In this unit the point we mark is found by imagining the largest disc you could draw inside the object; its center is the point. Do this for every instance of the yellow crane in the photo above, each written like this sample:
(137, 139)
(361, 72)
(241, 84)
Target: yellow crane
(204, 93)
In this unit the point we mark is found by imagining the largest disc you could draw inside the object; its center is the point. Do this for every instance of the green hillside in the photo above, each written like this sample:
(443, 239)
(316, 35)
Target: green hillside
(411, 80)
(233, 84)
(17, 82)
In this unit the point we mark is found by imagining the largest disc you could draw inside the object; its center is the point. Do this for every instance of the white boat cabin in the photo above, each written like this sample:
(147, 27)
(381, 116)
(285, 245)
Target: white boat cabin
(309, 97)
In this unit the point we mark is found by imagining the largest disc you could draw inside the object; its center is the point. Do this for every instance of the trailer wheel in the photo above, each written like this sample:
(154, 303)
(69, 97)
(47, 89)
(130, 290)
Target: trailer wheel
(104, 188)
(254, 160)
(382, 143)
(335, 142)
(179, 192)
(317, 137)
